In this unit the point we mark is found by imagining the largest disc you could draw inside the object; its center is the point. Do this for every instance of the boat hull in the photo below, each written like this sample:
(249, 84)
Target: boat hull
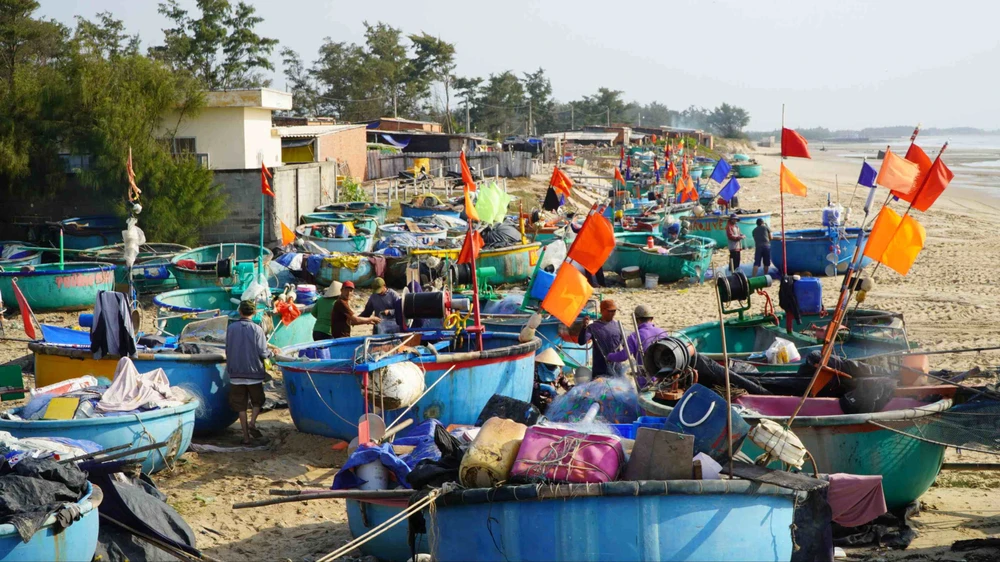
(76, 543)
(687, 520)
(390, 546)
(50, 288)
(808, 251)
(327, 401)
(361, 276)
(573, 355)
(92, 232)
(376, 210)
(669, 267)
(714, 227)
(412, 211)
(514, 264)
(203, 375)
(206, 257)
(360, 221)
(172, 425)
(747, 170)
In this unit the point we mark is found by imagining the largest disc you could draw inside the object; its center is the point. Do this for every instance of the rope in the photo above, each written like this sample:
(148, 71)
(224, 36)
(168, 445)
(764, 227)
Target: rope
(152, 441)
(320, 396)
(391, 522)
(931, 441)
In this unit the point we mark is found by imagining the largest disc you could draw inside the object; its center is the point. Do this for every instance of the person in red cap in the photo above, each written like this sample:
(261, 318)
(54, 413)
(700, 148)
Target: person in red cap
(606, 334)
(343, 316)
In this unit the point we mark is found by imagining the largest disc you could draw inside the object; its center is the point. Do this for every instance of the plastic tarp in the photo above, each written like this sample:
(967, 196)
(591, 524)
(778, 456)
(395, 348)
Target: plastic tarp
(131, 390)
(65, 336)
(36, 488)
(398, 144)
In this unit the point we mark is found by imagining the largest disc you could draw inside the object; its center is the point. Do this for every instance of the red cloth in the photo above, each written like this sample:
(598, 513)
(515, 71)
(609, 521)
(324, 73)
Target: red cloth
(187, 264)
(288, 311)
(855, 500)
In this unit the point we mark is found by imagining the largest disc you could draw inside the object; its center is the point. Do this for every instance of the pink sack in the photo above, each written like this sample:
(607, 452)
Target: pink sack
(549, 454)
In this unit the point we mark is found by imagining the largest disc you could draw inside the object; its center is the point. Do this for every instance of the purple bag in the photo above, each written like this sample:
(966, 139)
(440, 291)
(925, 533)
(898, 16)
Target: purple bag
(549, 454)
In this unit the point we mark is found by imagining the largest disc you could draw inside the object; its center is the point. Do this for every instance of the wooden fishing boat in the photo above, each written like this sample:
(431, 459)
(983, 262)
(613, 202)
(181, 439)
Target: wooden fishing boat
(201, 374)
(691, 257)
(19, 257)
(51, 541)
(196, 268)
(366, 222)
(809, 251)
(748, 170)
(177, 309)
(852, 443)
(324, 384)
(151, 271)
(50, 286)
(361, 241)
(171, 425)
(864, 333)
(513, 263)
(82, 233)
(705, 520)
(713, 225)
(377, 210)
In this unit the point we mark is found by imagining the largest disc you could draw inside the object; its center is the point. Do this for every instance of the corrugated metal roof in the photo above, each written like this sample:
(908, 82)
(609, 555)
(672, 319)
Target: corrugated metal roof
(583, 135)
(313, 130)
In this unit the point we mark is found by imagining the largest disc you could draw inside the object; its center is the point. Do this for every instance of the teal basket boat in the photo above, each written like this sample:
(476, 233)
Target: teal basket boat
(151, 270)
(376, 210)
(196, 268)
(359, 221)
(50, 286)
(747, 170)
(690, 258)
(714, 226)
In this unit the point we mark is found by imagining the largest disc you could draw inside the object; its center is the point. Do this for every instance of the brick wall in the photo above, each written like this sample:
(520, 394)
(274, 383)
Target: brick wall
(348, 146)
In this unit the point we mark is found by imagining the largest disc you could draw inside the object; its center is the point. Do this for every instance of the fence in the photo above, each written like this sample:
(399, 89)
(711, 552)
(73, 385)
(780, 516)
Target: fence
(502, 164)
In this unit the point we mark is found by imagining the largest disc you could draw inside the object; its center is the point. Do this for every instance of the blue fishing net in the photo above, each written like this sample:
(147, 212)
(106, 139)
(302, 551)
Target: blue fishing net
(617, 397)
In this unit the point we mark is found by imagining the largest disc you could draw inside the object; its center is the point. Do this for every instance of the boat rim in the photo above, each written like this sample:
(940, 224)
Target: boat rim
(69, 267)
(90, 501)
(741, 216)
(816, 234)
(73, 351)
(173, 261)
(190, 406)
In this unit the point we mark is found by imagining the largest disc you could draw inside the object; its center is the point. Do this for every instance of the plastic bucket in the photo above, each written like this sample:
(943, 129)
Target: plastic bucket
(652, 280)
(375, 475)
(542, 284)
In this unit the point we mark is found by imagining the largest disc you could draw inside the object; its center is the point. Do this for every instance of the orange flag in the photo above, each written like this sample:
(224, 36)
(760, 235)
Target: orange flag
(897, 174)
(594, 243)
(471, 246)
(287, 234)
(265, 187)
(470, 209)
(790, 183)
(619, 179)
(936, 179)
(466, 175)
(568, 295)
(917, 155)
(895, 241)
(560, 181)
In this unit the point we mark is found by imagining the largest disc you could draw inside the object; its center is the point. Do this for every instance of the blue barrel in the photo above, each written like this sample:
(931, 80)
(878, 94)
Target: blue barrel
(809, 293)
(701, 413)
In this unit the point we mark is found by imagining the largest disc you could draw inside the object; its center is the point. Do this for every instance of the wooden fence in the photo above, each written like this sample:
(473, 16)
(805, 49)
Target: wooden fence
(496, 164)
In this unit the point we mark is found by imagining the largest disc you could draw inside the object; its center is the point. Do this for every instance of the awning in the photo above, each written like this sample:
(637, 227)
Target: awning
(394, 142)
(296, 142)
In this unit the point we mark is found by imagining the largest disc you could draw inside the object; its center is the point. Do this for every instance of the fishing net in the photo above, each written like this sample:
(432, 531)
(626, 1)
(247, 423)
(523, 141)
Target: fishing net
(617, 397)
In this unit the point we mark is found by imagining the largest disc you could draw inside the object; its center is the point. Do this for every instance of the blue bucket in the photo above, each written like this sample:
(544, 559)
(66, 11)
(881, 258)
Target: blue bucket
(701, 413)
(809, 293)
(542, 284)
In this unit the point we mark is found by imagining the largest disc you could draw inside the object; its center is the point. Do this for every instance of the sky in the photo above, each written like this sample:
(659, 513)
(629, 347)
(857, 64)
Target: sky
(843, 64)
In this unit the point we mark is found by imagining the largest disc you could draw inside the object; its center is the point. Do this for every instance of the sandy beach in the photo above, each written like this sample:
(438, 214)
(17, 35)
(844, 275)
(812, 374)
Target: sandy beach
(950, 299)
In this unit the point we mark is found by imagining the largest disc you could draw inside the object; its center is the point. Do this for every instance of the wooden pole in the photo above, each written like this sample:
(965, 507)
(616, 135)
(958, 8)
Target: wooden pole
(784, 233)
(729, 394)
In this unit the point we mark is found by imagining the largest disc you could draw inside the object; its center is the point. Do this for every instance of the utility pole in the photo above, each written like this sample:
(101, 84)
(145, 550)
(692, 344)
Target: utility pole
(572, 118)
(468, 127)
(640, 119)
(530, 124)
(609, 116)
(394, 114)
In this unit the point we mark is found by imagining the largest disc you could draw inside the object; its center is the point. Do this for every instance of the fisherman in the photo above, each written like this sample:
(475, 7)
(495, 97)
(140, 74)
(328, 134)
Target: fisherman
(647, 334)
(246, 350)
(762, 252)
(322, 311)
(548, 375)
(382, 304)
(607, 336)
(343, 316)
(735, 242)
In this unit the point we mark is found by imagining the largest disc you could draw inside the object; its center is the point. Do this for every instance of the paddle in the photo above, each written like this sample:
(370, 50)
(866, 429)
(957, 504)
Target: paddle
(410, 225)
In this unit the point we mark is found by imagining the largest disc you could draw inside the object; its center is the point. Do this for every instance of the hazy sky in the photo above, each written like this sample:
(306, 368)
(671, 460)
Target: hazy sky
(838, 64)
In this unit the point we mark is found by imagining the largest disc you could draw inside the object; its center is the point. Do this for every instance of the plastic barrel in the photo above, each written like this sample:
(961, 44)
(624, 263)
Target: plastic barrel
(809, 293)
(542, 284)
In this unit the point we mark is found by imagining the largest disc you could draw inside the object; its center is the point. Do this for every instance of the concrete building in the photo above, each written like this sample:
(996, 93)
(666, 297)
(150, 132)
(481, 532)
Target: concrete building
(232, 131)
(344, 144)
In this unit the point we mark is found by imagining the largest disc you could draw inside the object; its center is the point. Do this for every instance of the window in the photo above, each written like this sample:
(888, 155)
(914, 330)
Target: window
(74, 163)
(181, 145)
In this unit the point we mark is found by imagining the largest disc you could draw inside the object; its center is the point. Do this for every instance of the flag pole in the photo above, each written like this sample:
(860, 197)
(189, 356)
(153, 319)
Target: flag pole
(784, 233)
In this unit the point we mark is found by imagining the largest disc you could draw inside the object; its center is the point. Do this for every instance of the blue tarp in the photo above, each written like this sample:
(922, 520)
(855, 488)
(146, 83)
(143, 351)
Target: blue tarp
(421, 438)
(394, 142)
(65, 336)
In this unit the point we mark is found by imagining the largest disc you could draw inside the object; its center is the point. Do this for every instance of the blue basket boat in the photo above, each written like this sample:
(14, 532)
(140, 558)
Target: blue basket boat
(573, 354)
(82, 233)
(809, 251)
(411, 211)
(362, 241)
(76, 543)
(19, 258)
(324, 386)
(201, 374)
(377, 210)
(49, 286)
(699, 520)
(171, 425)
(390, 546)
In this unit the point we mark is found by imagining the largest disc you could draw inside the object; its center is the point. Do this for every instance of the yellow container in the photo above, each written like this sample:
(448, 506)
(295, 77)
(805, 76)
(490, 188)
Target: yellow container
(492, 453)
(424, 163)
(50, 369)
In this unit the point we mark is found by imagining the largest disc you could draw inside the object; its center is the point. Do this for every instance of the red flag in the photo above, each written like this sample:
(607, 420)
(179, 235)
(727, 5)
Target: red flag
(684, 168)
(619, 178)
(26, 313)
(560, 181)
(265, 186)
(916, 155)
(793, 145)
(671, 171)
(470, 183)
(471, 246)
(937, 178)
(594, 243)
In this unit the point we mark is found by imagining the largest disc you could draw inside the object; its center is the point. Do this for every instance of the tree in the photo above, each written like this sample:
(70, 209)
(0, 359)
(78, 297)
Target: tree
(692, 118)
(220, 48)
(596, 109)
(436, 59)
(539, 92)
(500, 109)
(729, 120)
(305, 97)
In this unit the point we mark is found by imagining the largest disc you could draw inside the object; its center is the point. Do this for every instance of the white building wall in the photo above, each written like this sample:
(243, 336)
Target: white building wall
(258, 139)
(217, 131)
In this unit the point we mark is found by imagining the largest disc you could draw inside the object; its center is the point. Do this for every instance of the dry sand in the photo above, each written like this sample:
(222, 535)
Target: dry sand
(949, 298)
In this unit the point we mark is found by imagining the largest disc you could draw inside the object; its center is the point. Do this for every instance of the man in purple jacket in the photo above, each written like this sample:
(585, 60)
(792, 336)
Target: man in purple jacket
(648, 333)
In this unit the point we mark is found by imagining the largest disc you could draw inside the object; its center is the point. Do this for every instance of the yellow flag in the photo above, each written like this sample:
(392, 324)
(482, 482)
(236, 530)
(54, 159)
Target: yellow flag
(790, 183)
(470, 209)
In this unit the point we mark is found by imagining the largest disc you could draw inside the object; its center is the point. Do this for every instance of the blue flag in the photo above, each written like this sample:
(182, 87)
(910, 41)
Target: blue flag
(730, 189)
(868, 175)
(722, 169)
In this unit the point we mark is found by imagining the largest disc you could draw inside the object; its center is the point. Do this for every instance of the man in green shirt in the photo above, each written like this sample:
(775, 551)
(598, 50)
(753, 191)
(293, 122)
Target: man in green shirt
(323, 309)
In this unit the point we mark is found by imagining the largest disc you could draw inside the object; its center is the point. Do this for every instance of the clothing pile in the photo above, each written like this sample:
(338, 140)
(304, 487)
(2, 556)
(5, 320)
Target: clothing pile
(130, 393)
(35, 488)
